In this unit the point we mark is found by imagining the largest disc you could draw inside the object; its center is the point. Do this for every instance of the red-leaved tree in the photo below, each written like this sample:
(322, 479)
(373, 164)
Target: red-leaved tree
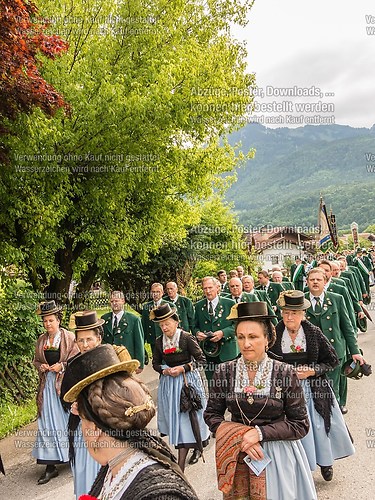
(22, 38)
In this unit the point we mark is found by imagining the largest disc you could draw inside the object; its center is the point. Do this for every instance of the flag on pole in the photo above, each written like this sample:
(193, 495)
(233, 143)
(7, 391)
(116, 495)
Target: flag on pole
(332, 223)
(354, 229)
(327, 228)
(324, 225)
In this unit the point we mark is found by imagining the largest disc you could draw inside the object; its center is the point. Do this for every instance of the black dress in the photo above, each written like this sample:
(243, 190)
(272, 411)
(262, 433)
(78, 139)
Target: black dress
(154, 482)
(171, 421)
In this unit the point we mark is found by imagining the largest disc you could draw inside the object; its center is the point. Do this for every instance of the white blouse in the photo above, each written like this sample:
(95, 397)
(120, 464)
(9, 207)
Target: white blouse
(114, 488)
(262, 377)
(299, 343)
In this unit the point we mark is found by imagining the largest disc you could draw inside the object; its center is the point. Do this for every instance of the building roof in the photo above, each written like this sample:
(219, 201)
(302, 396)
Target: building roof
(270, 236)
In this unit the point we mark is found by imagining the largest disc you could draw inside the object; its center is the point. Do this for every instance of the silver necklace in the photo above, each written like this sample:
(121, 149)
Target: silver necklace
(250, 389)
(123, 456)
(244, 416)
(110, 487)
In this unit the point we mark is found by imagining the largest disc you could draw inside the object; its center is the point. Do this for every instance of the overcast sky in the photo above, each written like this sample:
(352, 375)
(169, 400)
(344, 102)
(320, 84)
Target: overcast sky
(322, 44)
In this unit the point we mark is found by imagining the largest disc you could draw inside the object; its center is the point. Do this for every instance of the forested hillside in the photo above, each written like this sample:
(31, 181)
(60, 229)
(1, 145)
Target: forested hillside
(282, 184)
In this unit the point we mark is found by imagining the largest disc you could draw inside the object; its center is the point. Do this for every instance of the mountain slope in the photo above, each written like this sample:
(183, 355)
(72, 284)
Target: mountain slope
(282, 185)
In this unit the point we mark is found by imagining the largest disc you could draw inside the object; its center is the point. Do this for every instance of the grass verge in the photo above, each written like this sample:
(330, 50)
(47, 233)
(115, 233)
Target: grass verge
(13, 416)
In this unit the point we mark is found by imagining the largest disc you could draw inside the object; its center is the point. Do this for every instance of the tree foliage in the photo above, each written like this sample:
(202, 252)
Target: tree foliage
(362, 243)
(22, 38)
(152, 88)
(370, 229)
(19, 329)
(19, 326)
(216, 242)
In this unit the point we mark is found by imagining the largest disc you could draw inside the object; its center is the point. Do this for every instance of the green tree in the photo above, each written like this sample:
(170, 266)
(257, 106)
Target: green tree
(152, 90)
(215, 242)
(22, 39)
(362, 242)
(19, 326)
(370, 229)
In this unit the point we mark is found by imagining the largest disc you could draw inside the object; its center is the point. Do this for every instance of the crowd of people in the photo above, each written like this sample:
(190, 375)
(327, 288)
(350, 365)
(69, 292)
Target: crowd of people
(261, 369)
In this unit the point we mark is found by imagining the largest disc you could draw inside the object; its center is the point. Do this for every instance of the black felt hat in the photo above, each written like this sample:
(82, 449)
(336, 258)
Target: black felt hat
(362, 323)
(250, 310)
(162, 312)
(352, 369)
(293, 300)
(87, 320)
(48, 307)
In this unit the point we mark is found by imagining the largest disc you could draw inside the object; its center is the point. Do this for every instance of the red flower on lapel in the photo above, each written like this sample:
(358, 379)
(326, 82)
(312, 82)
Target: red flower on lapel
(171, 350)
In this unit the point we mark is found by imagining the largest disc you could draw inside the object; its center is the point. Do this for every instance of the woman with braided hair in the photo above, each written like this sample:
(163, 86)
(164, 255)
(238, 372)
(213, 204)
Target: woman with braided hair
(89, 334)
(115, 409)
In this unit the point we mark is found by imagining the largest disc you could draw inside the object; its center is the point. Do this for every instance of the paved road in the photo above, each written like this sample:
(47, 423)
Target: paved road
(354, 477)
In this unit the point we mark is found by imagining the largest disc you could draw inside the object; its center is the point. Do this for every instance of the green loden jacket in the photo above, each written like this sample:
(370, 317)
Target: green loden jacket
(335, 323)
(206, 323)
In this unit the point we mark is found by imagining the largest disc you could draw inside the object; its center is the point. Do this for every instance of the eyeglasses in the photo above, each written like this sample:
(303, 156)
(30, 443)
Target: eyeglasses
(90, 340)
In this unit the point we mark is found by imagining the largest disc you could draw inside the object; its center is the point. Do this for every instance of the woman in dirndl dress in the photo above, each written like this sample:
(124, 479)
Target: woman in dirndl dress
(305, 346)
(53, 349)
(89, 333)
(268, 417)
(115, 409)
(175, 356)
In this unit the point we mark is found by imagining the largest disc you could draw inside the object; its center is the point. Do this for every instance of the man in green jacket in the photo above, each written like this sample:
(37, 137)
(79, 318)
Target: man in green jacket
(222, 277)
(124, 328)
(277, 277)
(354, 274)
(337, 277)
(239, 295)
(359, 262)
(297, 273)
(211, 317)
(342, 280)
(331, 286)
(184, 305)
(152, 330)
(366, 260)
(345, 272)
(329, 313)
(361, 281)
(249, 287)
(273, 290)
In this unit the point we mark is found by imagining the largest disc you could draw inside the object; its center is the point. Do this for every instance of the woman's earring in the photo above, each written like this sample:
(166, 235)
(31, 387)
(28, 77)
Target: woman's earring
(266, 348)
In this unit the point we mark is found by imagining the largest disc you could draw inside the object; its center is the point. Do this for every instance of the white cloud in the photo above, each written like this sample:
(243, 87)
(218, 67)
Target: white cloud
(320, 43)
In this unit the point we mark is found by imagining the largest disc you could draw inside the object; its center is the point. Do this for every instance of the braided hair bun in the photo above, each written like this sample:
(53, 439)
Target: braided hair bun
(111, 396)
